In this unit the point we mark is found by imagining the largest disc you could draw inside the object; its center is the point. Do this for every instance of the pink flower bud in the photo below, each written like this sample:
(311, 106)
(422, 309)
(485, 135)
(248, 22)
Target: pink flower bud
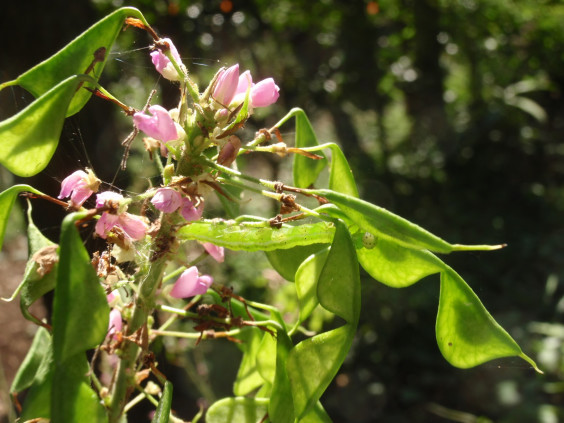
(115, 325)
(216, 252)
(167, 200)
(226, 85)
(162, 63)
(159, 126)
(264, 93)
(190, 284)
(189, 212)
(79, 186)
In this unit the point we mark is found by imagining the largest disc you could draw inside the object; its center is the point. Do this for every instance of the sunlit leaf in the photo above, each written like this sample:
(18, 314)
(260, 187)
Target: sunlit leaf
(467, 334)
(7, 200)
(76, 57)
(341, 178)
(238, 409)
(266, 359)
(395, 265)
(314, 362)
(257, 238)
(162, 412)
(382, 223)
(280, 407)
(29, 138)
(316, 415)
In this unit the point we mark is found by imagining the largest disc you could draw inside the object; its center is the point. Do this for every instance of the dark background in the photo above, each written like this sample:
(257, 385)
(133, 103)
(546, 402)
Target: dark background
(451, 115)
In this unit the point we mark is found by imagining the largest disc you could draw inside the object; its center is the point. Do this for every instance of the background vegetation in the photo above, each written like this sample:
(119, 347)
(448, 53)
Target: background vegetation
(451, 114)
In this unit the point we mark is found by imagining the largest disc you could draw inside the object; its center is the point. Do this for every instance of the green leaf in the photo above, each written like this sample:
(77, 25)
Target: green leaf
(266, 359)
(467, 334)
(305, 170)
(286, 262)
(316, 415)
(34, 284)
(314, 362)
(341, 178)
(163, 409)
(382, 223)
(397, 266)
(80, 322)
(80, 308)
(238, 409)
(257, 238)
(280, 408)
(306, 283)
(29, 368)
(248, 376)
(30, 137)
(76, 57)
(7, 199)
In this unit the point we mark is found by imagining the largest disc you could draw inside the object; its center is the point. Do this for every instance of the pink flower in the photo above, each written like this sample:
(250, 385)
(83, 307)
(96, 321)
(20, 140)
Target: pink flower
(167, 200)
(162, 63)
(103, 198)
(189, 212)
(262, 94)
(218, 253)
(190, 283)
(226, 85)
(115, 324)
(133, 226)
(159, 126)
(79, 186)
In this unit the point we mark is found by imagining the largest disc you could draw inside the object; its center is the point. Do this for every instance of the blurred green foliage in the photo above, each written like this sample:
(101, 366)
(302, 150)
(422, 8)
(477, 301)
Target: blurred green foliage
(452, 115)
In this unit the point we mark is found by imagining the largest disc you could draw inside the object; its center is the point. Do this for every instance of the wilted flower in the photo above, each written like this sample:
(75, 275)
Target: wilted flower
(162, 63)
(115, 325)
(159, 126)
(79, 186)
(167, 200)
(189, 211)
(218, 253)
(133, 226)
(190, 283)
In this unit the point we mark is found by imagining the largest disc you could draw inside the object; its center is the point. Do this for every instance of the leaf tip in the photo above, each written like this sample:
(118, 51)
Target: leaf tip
(531, 362)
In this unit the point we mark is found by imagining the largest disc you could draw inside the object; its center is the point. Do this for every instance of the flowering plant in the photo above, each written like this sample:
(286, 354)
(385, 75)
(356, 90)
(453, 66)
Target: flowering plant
(318, 240)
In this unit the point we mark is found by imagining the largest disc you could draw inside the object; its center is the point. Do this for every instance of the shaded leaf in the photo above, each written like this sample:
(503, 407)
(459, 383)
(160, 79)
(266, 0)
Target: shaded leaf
(163, 409)
(7, 199)
(266, 359)
(29, 368)
(286, 262)
(280, 407)
(467, 334)
(248, 377)
(306, 283)
(238, 409)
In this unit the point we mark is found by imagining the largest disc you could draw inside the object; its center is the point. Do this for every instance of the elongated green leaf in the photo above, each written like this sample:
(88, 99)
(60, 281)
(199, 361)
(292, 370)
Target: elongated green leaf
(314, 362)
(467, 334)
(29, 138)
(306, 282)
(316, 415)
(248, 377)
(76, 57)
(80, 308)
(253, 238)
(382, 223)
(163, 409)
(341, 178)
(395, 265)
(238, 409)
(266, 359)
(29, 368)
(287, 261)
(7, 200)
